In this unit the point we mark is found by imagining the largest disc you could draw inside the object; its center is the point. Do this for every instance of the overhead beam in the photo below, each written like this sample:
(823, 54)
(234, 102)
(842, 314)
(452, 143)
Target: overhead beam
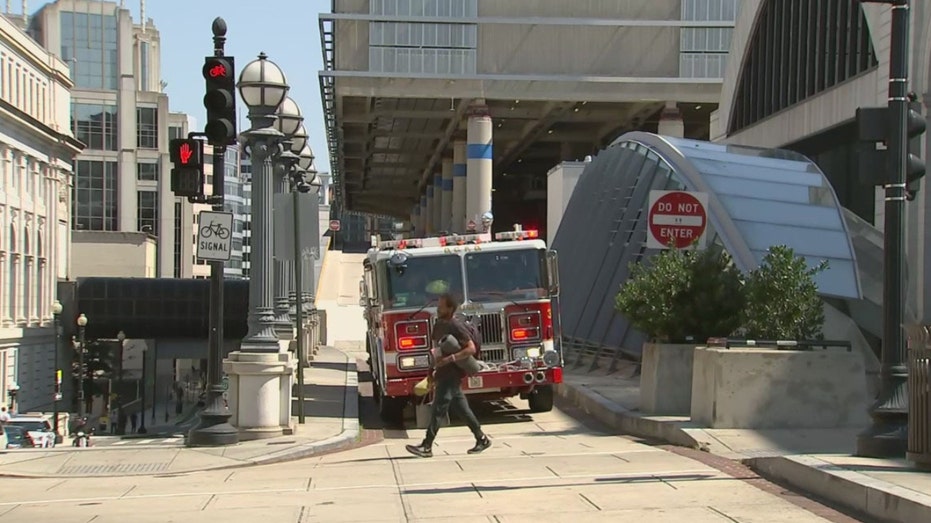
(444, 140)
(534, 129)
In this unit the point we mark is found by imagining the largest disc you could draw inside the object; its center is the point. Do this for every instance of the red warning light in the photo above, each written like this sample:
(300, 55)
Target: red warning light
(217, 71)
(185, 152)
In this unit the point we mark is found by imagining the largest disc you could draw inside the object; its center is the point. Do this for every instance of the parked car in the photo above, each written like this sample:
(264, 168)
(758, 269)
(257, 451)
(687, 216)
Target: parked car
(17, 437)
(39, 429)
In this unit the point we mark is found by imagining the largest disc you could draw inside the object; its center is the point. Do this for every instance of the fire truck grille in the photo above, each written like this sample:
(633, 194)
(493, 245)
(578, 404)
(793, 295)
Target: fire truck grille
(489, 325)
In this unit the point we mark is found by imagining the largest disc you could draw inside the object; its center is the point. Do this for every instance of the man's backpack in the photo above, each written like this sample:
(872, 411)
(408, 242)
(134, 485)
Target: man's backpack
(475, 335)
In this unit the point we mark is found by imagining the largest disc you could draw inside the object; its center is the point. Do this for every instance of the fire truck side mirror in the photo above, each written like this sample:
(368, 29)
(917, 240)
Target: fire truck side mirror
(552, 269)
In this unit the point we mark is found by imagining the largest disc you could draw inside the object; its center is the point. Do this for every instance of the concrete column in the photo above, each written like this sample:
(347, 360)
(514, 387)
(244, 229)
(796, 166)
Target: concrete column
(415, 220)
(430, 226)
(670, 121)
(423, 215)
(446, 219)
(438, 201)
(479, 162)
(459, 186)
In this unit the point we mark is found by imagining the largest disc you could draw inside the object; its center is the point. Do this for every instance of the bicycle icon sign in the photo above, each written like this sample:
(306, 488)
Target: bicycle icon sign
(214, 235)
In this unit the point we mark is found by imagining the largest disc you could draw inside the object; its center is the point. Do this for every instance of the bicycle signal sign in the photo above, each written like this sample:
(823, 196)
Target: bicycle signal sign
(214, 235)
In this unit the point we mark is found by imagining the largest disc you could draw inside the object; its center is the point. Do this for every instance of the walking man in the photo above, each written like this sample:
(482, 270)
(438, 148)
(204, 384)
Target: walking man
(448, 378)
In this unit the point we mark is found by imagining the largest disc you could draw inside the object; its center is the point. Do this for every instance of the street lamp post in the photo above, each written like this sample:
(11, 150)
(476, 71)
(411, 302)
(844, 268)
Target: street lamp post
(56, 394)
(120, 415)
(263, 87)
(298, 144)
(82, 324)
(142, 388)
(288, 124)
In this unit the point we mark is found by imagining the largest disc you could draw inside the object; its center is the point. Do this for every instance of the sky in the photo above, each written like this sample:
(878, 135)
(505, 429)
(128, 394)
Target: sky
(286, 30)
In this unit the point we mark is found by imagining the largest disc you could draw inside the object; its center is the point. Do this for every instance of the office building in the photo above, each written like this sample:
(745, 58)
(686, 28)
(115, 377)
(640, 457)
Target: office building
(36, 153)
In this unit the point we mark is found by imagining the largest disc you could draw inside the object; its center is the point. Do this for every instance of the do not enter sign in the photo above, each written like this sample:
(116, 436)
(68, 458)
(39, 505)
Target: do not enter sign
(677, 216)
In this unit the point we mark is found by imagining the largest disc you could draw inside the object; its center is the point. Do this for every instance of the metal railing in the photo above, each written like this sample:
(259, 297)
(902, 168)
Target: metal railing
(578, 352)
(919, 396)
(727, 343)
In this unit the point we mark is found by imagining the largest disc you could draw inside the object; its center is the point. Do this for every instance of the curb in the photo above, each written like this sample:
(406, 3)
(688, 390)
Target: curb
(351, 425)
(851, 489)
(623, 420)
(349, 436)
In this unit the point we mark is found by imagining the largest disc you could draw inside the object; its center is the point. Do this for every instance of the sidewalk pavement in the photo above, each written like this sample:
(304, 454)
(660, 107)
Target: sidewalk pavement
(817, 461)
(332, 422)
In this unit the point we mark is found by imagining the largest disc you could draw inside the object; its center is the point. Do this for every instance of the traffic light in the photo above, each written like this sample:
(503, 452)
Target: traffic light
(873, 129)
(187, 175)
(915, 165)
(220, 100)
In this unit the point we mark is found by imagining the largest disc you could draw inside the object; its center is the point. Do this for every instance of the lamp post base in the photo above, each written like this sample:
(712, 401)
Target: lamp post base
(214, 428)
(887, 438)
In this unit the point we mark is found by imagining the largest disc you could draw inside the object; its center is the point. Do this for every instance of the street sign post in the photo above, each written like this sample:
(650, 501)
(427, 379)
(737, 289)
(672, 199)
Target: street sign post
(214, 235)
(334, 225)
(677, 216)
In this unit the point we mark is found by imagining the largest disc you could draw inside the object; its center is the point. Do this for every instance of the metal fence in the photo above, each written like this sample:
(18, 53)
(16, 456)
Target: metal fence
(919, 405)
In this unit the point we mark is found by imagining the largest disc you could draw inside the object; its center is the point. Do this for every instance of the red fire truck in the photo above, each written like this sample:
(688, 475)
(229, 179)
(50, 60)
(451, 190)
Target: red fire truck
(509, 289)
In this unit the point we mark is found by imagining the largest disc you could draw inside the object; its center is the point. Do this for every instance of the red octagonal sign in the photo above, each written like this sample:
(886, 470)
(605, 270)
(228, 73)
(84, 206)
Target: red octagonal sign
(677, 216)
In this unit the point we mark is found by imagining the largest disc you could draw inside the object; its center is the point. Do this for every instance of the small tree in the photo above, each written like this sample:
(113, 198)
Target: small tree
(683, 296)
(782, 301)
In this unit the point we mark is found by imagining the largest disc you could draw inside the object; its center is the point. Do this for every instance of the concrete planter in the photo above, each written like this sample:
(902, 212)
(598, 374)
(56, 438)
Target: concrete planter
(666, 379)
(747, 388)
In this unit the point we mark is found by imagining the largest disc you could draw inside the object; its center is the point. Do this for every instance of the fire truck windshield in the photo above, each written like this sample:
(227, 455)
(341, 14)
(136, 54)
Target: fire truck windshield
(510, 275)
(422, 280)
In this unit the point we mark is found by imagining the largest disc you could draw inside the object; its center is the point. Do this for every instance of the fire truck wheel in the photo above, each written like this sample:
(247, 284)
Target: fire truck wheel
(391, 409)
(541, 399)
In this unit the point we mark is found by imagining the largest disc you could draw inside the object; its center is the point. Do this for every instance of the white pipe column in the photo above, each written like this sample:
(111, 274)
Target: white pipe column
(670, 122)
(459, 186)
(437, 201)
(479, 162)
(446, 222)
(430, 226)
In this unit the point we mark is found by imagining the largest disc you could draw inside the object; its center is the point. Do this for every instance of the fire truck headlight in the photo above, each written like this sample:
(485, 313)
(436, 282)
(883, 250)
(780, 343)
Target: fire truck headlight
(533, 352)
(520, 353)
(414, 362)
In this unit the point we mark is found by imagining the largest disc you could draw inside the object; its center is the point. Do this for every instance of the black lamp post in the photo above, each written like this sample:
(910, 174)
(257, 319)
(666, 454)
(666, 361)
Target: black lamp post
(56, 394)
(82, 323)
(142, 393)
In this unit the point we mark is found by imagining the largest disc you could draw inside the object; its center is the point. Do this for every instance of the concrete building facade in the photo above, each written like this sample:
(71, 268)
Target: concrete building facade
(120, 111)
(36, 152)
(796, 74)
(430, 106)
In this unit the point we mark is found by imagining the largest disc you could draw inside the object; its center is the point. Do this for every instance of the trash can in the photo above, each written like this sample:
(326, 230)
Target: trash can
(919, 405)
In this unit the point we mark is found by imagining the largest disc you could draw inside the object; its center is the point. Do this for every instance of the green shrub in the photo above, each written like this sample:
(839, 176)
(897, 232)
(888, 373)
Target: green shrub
(683, 295)
(782, 301)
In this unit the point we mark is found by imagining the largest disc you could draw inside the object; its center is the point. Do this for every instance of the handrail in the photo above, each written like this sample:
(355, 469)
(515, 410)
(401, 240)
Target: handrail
(728, 343)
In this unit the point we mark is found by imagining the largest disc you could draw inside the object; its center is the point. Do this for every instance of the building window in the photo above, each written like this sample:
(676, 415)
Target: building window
(175, 132)
(797, 50)
(89, 47)
(177, 242)
(147, 127)
(147, 172)
(95, 196)
(95, 125)
(147, 212)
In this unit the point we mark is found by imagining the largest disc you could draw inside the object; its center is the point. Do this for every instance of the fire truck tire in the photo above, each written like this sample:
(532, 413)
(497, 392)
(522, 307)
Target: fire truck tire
(391, 409)
(541, 399)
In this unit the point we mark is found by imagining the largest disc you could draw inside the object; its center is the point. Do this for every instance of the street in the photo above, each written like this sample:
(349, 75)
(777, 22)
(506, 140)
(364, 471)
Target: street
(553, 466)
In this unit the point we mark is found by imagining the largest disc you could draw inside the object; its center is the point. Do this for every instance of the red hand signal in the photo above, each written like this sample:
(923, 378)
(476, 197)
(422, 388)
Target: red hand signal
(217, 71)
(185, 152)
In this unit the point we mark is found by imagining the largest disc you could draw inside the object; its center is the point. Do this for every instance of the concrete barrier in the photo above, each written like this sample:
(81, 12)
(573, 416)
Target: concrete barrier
(666, 379)
(780, 389)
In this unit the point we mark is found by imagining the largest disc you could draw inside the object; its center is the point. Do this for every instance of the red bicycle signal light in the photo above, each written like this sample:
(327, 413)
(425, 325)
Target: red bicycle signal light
(220, 99)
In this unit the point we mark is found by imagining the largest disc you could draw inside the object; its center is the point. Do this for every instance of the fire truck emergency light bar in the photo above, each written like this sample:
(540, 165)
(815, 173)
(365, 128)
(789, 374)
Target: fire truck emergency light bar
(439, 241)
(518, 235)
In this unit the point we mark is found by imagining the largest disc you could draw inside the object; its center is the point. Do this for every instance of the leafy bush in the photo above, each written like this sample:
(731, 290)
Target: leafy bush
(683, 295)
(782, 298)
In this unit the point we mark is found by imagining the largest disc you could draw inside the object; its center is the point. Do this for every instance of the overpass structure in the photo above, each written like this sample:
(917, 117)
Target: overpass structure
(440, 110)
